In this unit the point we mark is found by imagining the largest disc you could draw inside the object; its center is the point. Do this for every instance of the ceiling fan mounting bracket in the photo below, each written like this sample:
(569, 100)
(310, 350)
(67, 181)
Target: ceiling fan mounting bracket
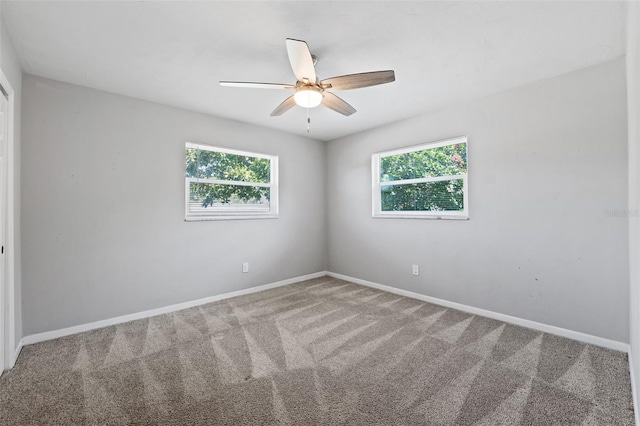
(307, 83)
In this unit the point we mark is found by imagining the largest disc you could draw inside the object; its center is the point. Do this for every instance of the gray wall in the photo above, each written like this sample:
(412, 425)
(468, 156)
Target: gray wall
(103, 229)
(545, 162)
(11, 68)
(103, 208)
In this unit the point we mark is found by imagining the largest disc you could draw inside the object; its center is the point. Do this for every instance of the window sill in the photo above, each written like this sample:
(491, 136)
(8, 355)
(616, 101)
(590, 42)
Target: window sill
(415, 216)
(234, 217)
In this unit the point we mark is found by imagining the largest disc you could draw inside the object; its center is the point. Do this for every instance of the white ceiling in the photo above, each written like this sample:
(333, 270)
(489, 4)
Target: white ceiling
(442, 52)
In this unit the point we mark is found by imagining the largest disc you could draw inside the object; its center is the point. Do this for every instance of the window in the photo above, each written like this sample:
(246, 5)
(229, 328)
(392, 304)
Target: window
(424, 181)
(223, 183)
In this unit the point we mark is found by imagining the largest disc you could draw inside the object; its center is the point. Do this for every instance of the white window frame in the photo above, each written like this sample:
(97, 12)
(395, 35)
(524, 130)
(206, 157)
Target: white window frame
(376, 184)
(238, 213)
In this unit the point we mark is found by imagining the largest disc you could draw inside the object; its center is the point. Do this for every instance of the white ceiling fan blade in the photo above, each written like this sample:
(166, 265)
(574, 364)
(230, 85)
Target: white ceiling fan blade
(285, 106)
(251, 85)
(356, 81)
(333, 102)
(301, 60)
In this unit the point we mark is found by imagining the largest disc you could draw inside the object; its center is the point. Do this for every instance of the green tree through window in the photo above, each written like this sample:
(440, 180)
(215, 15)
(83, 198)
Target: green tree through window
(221, 181)
(429, 178)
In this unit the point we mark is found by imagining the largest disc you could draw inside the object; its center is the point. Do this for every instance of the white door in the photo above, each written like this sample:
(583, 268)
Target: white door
(4, 136)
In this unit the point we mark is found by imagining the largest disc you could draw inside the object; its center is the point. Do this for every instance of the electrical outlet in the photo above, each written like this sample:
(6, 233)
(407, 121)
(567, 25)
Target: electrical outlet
(245, 267)
(416, 270)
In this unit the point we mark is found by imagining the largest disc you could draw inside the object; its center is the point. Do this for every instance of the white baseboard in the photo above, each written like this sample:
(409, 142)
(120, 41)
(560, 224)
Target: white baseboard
(582, 337)
(16, 353)
(54, 334)
(634, 389)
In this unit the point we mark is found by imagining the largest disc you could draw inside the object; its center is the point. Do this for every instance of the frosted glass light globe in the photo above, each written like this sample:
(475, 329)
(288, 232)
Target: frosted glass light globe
(308, 97)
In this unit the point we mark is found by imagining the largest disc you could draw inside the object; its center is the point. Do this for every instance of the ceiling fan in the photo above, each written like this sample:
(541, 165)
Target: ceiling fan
(311, 91)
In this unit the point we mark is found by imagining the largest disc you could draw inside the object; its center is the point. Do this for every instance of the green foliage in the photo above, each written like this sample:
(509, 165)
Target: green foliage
(214, 165)
(446, 195)
(427, 196)
(447, 160)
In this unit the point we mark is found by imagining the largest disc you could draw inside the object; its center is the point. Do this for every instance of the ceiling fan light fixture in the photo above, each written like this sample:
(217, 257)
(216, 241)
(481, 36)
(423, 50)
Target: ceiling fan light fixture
(308, 96)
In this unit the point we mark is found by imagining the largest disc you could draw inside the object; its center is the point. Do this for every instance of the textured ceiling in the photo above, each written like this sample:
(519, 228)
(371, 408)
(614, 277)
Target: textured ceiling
(443, 52)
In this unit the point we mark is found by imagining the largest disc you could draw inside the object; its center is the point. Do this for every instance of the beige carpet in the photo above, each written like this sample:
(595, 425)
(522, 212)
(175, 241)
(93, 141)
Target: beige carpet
(321, 352)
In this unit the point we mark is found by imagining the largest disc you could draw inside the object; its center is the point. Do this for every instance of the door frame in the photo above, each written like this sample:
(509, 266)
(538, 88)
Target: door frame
(9, 349)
